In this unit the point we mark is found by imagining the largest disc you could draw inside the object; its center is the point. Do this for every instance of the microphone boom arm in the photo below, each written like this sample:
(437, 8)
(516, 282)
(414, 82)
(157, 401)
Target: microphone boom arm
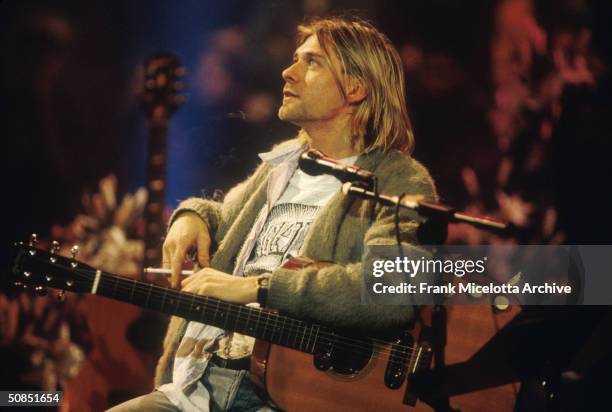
(430, 210)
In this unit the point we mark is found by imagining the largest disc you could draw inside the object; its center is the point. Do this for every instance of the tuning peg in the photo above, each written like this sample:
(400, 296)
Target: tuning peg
(55, 247)
(74, 251)
(20, 285)
(40, 291)
(33, 239)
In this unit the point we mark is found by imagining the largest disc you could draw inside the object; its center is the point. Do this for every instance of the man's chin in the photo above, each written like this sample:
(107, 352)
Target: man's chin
(297, 118)
(285, 115)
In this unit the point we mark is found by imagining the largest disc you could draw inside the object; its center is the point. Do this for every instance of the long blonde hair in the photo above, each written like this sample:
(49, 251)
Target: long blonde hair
(381, 119)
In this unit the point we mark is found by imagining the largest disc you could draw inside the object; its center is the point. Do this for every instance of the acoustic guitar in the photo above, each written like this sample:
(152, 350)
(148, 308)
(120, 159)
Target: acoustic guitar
(310, 366)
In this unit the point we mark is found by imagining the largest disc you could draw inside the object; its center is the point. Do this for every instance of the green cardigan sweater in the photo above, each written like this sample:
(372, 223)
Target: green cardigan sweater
(331, 295)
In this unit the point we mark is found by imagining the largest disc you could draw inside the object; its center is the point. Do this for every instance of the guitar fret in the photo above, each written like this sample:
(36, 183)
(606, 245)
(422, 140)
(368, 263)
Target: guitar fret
(237, 319)
(303, 336)
(225, 316)
(115, 288)
(163, 301)
(277, 327)
(216, 310)
(264, 320)
(274, 326)
(300, 331)
(258, 324)
(309, 336)
(191, 305)
(146, 304)
(176, 306)
(132, 292)
(296, 330)
(293, 333)
(248, 327)
(201, 307)
(282, 330)
(314, 342)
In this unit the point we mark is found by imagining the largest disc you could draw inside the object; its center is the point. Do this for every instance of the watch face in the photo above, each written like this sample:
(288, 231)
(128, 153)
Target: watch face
(263, 282)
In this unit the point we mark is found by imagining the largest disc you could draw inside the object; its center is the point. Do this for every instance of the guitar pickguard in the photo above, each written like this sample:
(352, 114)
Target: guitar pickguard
(344, 356)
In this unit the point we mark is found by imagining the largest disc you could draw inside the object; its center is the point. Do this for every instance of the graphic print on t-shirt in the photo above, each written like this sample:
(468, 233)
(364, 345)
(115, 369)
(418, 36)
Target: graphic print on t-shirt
(282, 236)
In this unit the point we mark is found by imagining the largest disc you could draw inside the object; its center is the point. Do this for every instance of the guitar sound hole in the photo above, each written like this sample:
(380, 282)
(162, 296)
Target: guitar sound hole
(346, 355)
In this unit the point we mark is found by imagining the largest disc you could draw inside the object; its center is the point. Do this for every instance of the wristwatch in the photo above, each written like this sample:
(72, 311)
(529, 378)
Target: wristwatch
(263, 285)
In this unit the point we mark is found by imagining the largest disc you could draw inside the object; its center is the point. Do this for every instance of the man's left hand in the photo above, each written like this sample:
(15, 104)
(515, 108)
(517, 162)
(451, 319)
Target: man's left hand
(220, 285)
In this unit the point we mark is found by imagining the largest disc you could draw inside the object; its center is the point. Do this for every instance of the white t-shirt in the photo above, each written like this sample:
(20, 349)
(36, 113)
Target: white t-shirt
(289, 220)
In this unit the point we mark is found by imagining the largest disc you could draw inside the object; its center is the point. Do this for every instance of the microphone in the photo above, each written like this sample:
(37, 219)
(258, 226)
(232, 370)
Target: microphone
(315, 163)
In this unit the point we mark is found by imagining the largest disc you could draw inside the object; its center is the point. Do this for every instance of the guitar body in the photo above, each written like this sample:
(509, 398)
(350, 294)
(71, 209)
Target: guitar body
(295, 384)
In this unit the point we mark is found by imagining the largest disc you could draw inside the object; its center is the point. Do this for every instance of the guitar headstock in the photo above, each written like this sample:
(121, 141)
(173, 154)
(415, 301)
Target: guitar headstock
(162, 85)
(39, 269)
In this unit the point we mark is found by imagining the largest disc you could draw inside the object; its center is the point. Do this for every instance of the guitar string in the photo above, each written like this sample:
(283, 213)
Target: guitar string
(398, 357)
(352, 344)
(158, 291)
(349, 342)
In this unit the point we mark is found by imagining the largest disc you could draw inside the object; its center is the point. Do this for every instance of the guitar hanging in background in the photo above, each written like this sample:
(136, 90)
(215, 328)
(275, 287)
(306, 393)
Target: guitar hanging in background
(160, 100)
(137, 334)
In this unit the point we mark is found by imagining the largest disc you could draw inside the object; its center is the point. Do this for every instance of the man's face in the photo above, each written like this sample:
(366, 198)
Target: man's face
(311, 94)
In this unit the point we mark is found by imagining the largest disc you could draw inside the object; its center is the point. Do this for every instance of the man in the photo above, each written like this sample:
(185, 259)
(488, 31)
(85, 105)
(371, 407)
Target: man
(345, 89)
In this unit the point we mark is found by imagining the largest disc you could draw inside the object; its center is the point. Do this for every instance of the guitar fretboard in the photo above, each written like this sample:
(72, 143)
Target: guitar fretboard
(260, 324)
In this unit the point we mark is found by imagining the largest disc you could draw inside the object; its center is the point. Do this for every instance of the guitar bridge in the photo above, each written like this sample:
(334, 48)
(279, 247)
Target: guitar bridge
(399, 362)
(420, 359)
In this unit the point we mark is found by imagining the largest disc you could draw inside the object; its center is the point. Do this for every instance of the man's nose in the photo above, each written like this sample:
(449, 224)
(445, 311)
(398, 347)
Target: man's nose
(290, 74)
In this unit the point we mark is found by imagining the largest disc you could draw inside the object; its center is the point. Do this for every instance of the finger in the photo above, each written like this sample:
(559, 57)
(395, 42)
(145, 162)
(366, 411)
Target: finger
(194, 287)
(196, 276)
(176, 264)
(199, 288)
(187, 280)
(166, 257)
(204, 249)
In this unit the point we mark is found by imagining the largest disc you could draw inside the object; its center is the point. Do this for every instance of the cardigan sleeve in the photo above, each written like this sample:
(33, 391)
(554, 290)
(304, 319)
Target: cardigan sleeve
(209, 211)
(332, 294)
(219, 215)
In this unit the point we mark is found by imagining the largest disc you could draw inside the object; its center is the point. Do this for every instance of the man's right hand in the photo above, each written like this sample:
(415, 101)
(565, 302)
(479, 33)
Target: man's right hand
(187, 232)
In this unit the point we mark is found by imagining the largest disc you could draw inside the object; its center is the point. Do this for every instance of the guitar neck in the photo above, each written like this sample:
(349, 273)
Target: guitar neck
(156, 182)
(160, 99)
(260, 324)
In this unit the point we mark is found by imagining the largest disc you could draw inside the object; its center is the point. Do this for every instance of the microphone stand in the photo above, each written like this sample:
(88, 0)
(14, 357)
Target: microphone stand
(438, 214)
(432, 231)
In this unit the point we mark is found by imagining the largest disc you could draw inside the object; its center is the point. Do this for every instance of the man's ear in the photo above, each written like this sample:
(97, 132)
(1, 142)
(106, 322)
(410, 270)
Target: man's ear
(356, 90)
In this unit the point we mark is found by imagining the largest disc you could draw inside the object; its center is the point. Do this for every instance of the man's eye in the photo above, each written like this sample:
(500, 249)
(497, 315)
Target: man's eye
(312, 62)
